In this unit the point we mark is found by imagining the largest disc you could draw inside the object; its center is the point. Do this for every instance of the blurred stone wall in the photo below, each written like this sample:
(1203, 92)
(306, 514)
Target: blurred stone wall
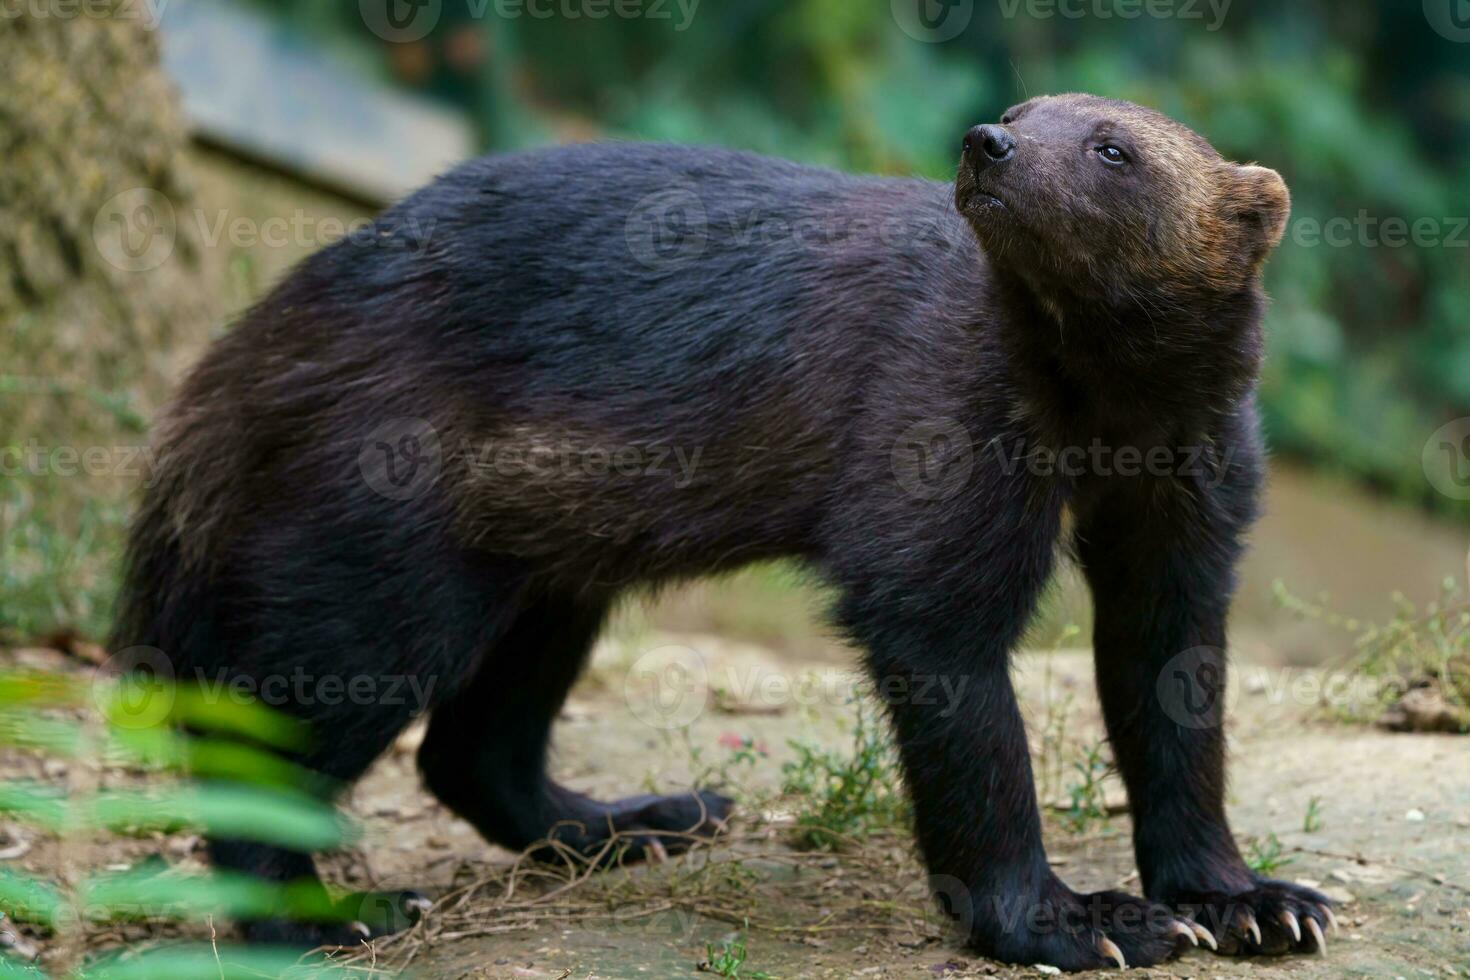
(124, 247)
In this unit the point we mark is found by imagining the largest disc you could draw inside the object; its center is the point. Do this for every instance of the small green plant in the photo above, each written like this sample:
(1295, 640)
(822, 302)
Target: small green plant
(1312, 822)
(728, 960)
(842, 796)
(1056, 723)
(1418, 647)
(1265, 855)
(729, 771)
(1087, 804)
(50, 577)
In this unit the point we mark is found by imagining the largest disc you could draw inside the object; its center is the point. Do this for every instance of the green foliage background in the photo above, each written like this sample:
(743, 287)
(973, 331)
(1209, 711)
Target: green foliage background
(1364, 108)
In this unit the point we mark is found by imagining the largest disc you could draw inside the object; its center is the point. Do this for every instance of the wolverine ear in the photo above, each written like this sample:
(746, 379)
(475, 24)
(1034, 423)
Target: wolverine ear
(1260, 201)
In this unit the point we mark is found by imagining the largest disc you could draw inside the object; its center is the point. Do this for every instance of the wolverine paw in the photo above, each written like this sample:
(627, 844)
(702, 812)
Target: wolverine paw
(657, 826)
(639, 828)
(1095, 931)
(1272, 918)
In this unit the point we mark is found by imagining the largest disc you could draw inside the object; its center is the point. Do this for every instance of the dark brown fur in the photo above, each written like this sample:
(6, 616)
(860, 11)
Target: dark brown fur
(805, 344)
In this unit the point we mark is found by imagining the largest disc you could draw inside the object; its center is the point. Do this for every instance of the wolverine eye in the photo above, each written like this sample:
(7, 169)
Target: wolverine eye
(1111, 154)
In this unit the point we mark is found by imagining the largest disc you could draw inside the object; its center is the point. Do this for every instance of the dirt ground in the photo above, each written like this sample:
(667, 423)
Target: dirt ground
(1389, 840)
(661, 711)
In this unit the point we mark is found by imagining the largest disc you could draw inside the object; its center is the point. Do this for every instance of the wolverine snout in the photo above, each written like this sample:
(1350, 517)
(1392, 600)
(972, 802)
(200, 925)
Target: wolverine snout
(988, 145)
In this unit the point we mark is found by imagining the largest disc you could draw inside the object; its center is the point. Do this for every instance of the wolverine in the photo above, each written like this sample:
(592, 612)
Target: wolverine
(430, 452)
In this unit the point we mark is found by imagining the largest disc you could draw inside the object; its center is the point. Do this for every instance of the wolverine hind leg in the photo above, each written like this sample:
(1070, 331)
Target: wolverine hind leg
(485, 752)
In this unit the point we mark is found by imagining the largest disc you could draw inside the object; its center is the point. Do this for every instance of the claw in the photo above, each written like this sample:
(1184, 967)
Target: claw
(1252, 927)
(1182, 930)
(1288, 918)
(1110, 949)
(1316, 932)
(1331, 919)
(1206, 935)
(656, 850)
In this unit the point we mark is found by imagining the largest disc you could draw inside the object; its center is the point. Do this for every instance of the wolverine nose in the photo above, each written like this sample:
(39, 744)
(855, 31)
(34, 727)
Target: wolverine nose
(988, 145)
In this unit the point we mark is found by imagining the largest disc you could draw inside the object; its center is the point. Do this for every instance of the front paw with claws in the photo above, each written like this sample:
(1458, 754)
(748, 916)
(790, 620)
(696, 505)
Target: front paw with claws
(1092, 931)
(1271, 918)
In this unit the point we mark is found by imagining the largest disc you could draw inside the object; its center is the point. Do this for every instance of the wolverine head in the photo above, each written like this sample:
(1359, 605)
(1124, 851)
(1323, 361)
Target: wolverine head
(1109, 201)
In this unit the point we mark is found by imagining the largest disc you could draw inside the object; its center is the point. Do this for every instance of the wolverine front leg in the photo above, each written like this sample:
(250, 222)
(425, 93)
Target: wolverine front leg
(1159, 555)
(941, 615)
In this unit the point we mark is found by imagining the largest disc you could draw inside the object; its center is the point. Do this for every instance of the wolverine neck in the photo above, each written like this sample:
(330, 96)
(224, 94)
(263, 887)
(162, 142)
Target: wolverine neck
(1147, 363)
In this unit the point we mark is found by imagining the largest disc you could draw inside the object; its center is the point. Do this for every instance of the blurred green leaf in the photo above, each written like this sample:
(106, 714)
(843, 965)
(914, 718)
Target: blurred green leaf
(205, 963)
(271, 816)
(149, 892)
(27, 899)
